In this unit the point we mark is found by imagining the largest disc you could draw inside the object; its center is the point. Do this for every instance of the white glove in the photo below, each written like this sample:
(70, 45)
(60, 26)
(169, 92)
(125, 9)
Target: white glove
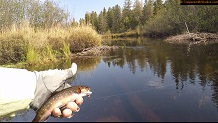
(20, 87)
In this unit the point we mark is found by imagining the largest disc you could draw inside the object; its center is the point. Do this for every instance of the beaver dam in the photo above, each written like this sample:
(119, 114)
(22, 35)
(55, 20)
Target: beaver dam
(96, 51)
(195, 38)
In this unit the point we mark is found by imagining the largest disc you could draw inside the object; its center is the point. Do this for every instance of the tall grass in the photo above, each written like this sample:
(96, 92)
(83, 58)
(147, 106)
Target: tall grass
(30, 45)
(83, 37)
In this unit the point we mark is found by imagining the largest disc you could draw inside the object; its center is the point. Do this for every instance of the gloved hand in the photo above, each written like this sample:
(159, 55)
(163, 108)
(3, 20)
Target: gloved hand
(20, 87)
(52, 81)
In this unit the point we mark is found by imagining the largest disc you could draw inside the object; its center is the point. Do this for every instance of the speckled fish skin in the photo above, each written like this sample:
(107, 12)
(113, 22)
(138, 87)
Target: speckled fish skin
(60, 99)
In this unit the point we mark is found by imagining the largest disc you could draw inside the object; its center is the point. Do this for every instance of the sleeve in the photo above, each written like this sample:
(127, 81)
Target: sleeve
(51, 81)
(17, 88)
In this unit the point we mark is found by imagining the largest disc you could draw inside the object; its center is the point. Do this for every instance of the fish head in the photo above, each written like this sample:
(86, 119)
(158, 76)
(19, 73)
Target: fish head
(84, 90)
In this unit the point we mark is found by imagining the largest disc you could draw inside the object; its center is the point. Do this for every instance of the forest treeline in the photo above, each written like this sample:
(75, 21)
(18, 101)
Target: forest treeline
(153, 17)
(148, 17)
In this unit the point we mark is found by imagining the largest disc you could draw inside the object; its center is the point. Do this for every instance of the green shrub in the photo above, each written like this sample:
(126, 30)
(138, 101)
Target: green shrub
(13, 49)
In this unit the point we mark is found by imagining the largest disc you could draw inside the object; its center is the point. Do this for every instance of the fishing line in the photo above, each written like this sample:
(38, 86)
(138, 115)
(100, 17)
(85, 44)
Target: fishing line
(133, 92)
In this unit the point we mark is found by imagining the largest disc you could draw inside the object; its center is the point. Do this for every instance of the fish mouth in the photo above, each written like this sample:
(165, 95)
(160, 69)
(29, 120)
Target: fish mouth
(86, 94)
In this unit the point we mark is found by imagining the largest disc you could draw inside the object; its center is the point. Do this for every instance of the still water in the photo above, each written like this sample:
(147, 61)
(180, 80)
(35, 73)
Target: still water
(146, 80)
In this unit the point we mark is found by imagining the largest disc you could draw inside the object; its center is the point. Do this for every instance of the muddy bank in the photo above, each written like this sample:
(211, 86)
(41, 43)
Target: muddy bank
(195, 38)
(96, 51)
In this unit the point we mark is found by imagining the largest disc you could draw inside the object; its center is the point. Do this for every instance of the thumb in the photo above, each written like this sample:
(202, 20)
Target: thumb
(73, 68)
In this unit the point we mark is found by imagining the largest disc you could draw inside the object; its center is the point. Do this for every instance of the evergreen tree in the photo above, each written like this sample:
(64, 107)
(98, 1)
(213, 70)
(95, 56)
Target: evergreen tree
(74, 23)
(156, 18)
(82, 22)
(158, 6)
(102, 23)
(94, 19)
(87, 18)
(127, 14)
(137, 13)
(110, 16)
(147, 12)
(117, 24)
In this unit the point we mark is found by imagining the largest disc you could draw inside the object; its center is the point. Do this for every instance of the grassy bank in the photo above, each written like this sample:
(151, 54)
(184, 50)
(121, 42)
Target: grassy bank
(132, 34)
(29, 45)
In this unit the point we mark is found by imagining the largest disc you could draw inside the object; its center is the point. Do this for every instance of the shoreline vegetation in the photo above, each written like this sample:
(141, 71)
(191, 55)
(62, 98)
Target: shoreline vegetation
(27, 45)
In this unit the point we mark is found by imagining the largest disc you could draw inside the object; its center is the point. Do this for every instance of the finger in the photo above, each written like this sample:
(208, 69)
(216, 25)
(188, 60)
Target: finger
(72, 106)
(74, 68)
(56, 112)
(70, 115)
(79, 101)
(67, 113)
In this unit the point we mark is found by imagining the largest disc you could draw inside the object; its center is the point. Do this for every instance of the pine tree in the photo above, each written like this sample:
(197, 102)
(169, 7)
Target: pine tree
(137, 13)
(147, 12)
(116, 25)
(126, 14)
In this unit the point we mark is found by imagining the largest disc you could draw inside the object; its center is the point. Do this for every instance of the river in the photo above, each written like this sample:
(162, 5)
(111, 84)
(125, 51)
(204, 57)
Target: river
(146, 80)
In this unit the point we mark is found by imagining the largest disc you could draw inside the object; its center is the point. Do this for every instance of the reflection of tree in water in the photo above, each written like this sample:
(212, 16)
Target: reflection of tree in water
(186, 67)
(86, 63)
(214, 78)
(157, 59)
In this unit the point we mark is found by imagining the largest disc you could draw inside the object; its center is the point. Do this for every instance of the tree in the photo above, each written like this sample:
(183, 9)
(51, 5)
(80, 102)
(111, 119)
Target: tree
(126, 14)
(110, 16)
(158, 6)
(81, 22)
(147, 12)
(39, 14)
(7, 13)
(102, 23)
(137, 13)
(117, 24)
(87, 18)
(53, 14)
(94, 20)
(156, 18)
(74, 23)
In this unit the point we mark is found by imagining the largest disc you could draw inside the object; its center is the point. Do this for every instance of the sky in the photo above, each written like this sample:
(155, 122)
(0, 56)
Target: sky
(78, 8)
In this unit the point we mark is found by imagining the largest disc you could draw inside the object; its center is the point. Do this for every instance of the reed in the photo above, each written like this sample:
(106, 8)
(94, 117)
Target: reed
(27, 44)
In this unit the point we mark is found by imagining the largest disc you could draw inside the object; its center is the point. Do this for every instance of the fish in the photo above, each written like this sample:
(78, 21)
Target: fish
(60, 99)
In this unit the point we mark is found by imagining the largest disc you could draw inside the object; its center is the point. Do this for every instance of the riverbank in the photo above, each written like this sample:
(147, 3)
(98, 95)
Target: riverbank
(31, 45)
(195, 38)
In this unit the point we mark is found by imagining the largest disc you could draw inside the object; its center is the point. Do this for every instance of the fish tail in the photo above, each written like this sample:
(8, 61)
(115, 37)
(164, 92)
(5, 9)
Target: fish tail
(36, 119)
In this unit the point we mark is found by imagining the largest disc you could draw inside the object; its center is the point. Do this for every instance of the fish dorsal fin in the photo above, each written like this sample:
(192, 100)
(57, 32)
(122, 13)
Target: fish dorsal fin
(78, 90)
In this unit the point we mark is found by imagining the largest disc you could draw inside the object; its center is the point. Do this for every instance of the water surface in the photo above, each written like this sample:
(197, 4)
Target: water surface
(146, 80)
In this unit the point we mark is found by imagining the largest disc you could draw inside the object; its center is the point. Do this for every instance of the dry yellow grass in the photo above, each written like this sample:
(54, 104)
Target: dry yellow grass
(83, 37)
(27, 44)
